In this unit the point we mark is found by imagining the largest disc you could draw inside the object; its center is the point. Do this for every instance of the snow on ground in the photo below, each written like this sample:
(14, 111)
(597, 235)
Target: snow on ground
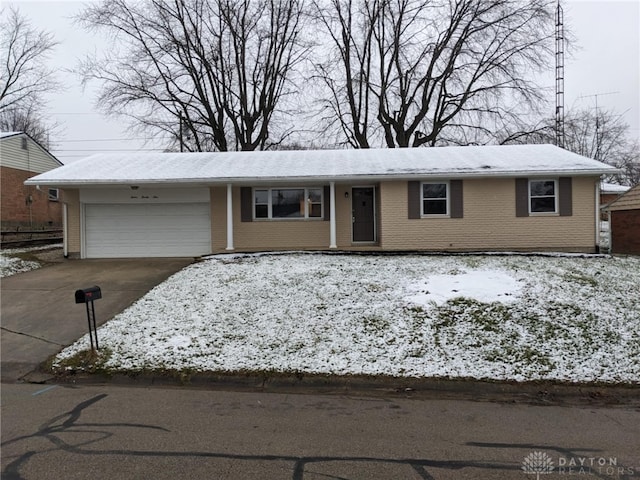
(481, 285)
(11, 262)
(604, 236)
(510, 317)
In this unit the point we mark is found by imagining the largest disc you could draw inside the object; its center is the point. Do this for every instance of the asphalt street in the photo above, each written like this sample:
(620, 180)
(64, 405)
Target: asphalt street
(127, 432)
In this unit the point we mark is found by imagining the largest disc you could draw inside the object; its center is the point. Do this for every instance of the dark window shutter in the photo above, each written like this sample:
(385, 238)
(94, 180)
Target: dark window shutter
(455, 201)
(327, 203)
(565, 197)
(246, 204)
(522, 197)
(413, 200)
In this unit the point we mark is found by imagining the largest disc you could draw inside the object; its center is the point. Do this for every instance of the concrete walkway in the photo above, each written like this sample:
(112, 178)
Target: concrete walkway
(39, 313)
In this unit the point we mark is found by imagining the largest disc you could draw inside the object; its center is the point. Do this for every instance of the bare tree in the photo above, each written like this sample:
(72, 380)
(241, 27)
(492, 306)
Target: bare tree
(604, 135)
(422, 72)
(28, 119)
(599, 134)
(213, 74)
(24, 76)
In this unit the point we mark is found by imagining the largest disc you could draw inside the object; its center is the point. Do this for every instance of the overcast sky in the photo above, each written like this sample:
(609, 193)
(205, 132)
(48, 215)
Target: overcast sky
(606, 63)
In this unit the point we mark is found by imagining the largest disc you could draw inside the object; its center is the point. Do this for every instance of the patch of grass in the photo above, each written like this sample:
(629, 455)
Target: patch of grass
(87, 361)
(373, 324)
(520, 356)
(374, 287)
(24, 256)
(580, 278)
(485, 316)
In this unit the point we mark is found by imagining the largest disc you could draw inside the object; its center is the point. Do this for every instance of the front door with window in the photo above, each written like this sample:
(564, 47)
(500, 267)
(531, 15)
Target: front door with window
(363, 207)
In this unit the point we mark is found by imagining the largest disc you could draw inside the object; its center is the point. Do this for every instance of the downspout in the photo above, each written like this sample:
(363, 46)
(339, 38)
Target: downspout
(229, 217)
(65, 236)
(609, 236)
(598, 215)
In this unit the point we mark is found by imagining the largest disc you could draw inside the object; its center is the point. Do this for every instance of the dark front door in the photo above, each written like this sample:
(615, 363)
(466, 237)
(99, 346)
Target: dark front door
(364, 225)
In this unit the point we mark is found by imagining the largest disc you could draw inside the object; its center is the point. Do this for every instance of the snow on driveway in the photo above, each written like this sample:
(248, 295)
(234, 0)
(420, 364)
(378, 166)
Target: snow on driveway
(495, 317)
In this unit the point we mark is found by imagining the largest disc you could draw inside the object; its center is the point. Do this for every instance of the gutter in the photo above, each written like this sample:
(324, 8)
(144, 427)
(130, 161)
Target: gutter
(211, 181)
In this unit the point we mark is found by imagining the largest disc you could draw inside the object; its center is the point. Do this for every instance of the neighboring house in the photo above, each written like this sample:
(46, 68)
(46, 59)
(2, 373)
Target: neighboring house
(499, 198)
(24, 206)
(609, 192)
(624, 221)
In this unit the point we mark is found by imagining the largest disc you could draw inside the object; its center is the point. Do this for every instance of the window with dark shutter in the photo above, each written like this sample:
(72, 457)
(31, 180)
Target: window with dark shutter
(413, 200)
(327, 203)
(455, 192)
(246, 204)
(565, 197)
(522, 197)
(544, 196)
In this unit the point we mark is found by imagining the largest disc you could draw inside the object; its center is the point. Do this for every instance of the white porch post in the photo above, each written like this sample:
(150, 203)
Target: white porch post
(229, 216)
(332, 211)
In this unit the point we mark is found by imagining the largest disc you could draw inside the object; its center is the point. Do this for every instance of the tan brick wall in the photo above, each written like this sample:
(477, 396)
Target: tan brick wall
(72, 199)
(489, 221)
(625, 231)
(280, 234)
(264, 234)
(16, 210)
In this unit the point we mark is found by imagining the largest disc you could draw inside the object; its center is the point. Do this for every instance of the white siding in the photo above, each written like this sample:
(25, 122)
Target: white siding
(32, 159)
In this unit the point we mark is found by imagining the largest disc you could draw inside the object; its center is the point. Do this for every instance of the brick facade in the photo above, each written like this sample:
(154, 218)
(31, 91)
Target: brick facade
(25, 206)
(625, 231)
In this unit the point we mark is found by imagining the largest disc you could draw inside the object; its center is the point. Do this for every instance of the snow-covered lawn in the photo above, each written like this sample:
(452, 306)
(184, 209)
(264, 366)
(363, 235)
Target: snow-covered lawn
(482, 316)
(17, 260)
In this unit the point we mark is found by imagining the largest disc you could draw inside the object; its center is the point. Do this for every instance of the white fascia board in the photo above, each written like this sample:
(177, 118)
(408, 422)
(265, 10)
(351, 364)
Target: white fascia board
(315, 179)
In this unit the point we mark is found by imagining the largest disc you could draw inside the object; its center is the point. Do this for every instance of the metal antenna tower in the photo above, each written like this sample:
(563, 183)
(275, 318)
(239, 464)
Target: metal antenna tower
(559, 76)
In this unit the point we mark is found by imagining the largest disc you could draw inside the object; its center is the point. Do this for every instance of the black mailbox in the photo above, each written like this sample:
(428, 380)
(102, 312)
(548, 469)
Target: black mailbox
(87, 295)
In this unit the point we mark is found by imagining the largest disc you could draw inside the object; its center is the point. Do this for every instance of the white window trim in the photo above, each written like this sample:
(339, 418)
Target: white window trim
(448, 199)
(270, 217)
(556, 197)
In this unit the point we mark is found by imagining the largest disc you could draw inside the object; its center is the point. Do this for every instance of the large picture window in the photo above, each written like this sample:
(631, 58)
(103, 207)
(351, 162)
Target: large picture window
(435, 198)
(287, 203)
(543, 196)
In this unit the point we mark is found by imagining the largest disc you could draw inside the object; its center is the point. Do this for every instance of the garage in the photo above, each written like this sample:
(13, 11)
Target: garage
(147, 230)
(624, 223)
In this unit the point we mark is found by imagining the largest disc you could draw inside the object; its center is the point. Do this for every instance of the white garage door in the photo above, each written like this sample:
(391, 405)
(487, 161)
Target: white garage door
(152, 230)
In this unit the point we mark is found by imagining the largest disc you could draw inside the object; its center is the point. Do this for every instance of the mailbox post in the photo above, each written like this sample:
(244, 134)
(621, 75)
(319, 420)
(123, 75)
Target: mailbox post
(87, 296)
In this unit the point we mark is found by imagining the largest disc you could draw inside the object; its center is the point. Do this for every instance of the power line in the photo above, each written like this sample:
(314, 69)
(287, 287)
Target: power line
(108, 149)
(111, 139)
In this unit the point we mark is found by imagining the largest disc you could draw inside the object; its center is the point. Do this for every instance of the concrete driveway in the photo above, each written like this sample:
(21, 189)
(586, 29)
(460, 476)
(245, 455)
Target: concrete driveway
(39, 313)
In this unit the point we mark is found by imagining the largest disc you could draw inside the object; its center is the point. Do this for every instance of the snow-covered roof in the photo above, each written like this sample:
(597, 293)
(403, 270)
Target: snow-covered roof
(313, 165)
(613, 188)
(9, 134)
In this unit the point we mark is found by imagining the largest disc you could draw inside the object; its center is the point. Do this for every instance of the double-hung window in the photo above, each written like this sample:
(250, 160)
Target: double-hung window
(543, 196)
(287, 203)
(435, 198)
